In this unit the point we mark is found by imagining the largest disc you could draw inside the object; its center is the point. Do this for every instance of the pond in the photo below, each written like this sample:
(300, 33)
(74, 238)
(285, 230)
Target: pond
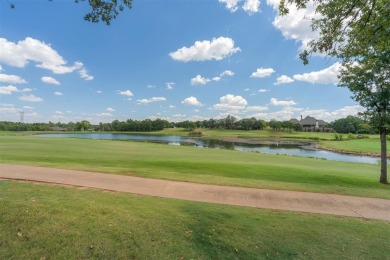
(287, 149)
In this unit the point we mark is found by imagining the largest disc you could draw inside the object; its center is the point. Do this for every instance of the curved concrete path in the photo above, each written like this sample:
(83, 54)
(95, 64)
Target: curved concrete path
(260, 198)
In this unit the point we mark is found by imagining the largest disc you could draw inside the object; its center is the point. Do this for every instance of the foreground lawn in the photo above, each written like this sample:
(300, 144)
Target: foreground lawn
(52, 222)
(213, 166)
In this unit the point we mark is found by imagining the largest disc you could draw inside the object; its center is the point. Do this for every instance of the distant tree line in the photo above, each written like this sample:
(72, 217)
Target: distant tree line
(350, 124)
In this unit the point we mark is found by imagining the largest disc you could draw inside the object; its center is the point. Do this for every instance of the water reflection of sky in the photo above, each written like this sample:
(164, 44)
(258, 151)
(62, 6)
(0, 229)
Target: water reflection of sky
(218, 144)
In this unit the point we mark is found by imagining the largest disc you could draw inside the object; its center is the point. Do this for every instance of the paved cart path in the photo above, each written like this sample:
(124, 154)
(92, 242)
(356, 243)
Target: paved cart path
(260, 198)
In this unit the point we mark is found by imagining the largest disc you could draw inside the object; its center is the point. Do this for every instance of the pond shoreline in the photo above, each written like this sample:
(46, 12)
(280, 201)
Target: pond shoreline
(308, 145)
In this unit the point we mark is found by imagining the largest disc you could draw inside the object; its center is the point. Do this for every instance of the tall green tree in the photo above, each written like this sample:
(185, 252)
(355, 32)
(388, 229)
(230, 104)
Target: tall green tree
(357, 33)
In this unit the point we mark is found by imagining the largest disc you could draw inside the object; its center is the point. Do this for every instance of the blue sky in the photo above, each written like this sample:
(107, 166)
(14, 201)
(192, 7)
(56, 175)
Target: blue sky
(177, 60)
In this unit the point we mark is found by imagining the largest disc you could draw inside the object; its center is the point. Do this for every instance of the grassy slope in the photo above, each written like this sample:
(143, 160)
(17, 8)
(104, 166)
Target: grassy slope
(51, 222)
(358, 146)
(213, 166)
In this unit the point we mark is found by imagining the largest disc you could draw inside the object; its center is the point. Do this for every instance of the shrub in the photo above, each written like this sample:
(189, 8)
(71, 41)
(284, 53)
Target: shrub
(195, 133)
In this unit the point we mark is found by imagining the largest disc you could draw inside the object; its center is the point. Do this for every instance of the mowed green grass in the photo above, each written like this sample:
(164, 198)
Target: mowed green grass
(53, 222)
(372, 146)
(213, 166)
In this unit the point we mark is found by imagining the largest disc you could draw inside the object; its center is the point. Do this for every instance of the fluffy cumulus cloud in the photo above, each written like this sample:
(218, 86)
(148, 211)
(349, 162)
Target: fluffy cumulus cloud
(110, 109)
(21, 53)
(8, 90)
(325, 76)
(333, 115)
(262, 90)
(262, 72)
(296, 24)
(249, 6)
(58, 93)
(50, 80)
(216, 49)
(150, 100)
(12, 79)
(283, 80)
(126, 93)
(231, 5)
(30, 98)
(231, 102)
(282, 103)
(199, 80)
(191, 101)
(227, 73)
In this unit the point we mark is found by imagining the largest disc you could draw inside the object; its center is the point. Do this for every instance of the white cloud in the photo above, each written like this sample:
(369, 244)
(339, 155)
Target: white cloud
(31, 98)
(283, 80)
(58, 93)
(251, 6)
(172, 106)
(256, 108)
(329, 116)
(231, 5)
(8, 110)
(261, 73)
(216, 49)
(12, 79)
(227, 73)
(151, 100)
(104, 115)
(109, 109)
(325, 76)
(169, 85)
(8, 90)
(199, 80)
(276, 102)
(296, 24)
(191, 101)
(26, 90)
(231, 102)
(28, 107)
(99, 91)
(21, 53)
(58, 113)
(262, 90)
(221, 75)
(1, 68)
(179, 115)
(126, 93)
(247, 89)
(84, 73)
(150, 86)
(50, 80)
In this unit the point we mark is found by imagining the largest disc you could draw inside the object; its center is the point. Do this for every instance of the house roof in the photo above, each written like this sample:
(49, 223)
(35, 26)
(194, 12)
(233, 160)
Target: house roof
(312, 121)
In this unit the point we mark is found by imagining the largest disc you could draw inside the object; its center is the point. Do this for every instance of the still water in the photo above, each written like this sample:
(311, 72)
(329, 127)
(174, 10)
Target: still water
(294, 150)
